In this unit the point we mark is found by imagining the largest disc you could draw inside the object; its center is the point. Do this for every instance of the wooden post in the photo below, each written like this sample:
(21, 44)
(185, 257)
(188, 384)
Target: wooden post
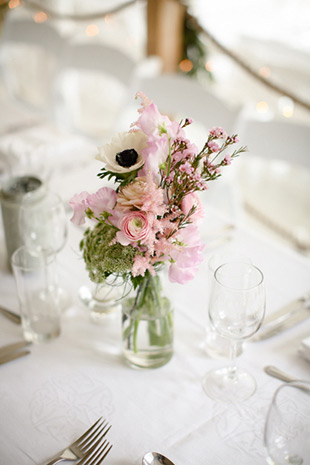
(165, 23)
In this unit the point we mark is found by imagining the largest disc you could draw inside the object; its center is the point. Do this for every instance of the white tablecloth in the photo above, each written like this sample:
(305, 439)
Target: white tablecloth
(51, 396)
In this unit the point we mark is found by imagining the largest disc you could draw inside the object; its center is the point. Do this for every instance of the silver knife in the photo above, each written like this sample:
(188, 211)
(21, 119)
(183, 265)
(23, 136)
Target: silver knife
(4, 350)
(287, 310)
(11, 315)
(278, 326)
(13, 356)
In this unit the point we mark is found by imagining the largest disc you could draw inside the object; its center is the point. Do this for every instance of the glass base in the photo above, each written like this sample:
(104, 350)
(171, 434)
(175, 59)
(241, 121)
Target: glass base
(227, 386)
(146, 359)
(40, 330)
(100, 310)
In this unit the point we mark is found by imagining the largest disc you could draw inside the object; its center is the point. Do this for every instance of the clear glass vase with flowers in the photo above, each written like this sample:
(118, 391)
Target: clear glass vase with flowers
(150, 220)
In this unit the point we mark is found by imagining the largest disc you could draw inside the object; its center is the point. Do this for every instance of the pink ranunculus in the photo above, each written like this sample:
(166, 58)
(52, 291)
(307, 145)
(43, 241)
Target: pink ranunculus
(79, 205)
(188, 202)
(102, 201)
(134, 227)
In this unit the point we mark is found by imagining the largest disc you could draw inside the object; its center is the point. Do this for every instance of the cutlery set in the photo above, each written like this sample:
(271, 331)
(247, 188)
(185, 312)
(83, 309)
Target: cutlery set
(90, 448)
(286, 317)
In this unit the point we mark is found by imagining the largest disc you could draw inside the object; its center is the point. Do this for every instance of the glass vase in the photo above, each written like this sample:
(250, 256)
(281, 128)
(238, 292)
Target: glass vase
(147, 325)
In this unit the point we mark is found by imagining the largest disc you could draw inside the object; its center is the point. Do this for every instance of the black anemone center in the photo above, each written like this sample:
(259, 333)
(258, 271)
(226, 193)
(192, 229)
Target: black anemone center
(127, 158)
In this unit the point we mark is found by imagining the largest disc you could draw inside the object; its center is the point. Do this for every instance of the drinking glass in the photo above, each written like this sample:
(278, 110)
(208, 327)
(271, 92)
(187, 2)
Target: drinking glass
(236, 311)
(287, 427)
(36, 282)
(43, 225)
(217, 346)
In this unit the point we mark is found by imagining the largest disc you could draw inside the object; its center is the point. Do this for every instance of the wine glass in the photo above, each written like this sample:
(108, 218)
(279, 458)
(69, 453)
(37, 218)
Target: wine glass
(287, 427)
(43, 225)
(236, 311)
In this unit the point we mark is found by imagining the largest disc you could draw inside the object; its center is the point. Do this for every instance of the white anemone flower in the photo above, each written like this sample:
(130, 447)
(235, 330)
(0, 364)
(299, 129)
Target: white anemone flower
(123, 154)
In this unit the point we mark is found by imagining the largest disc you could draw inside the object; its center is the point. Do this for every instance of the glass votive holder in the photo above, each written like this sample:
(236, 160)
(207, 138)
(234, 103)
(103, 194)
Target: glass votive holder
(37, 289)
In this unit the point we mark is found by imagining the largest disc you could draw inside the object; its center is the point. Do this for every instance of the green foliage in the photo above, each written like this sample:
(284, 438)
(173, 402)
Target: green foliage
(121, 178)
(103, 257)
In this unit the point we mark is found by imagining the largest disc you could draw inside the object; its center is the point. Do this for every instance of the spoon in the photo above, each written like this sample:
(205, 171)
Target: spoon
(154, 458)
(276, 373)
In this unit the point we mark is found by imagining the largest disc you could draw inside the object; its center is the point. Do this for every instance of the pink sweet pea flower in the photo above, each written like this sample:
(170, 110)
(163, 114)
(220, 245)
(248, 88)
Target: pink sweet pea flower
(186, 259)
(79, 205)
(102, 201)
(134, 227)
(188, 202)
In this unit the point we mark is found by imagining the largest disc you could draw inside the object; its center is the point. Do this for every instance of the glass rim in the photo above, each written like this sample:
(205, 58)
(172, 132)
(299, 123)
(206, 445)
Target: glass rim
(260, 281)
(35, 253)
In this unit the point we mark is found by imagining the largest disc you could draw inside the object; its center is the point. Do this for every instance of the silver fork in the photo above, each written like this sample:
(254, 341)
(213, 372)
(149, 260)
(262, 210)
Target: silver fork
(82, 445)
(96, 454)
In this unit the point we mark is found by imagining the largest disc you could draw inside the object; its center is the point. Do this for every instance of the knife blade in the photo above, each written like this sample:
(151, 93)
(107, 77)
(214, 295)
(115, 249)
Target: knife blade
(13, 356)
(287, 310)
(12, 347)
(279, 326)
(11, 315)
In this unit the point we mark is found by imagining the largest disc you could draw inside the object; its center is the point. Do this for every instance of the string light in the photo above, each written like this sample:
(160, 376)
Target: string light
(40, 17)
(209, 66)
(186, 65)
(13, 4)
(262, 107)
(286, 106)
(265, 72)
(92, 30)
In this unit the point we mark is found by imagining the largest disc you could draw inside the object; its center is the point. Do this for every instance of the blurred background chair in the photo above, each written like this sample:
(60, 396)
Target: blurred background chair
(274, 179)
(277, 140)
(29, 57)
(93, 83)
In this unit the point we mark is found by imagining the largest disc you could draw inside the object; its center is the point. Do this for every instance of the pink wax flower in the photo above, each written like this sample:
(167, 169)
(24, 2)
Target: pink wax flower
(227, 159)
(218, 132)
(141, 265)
(213, 146)
(134, 227)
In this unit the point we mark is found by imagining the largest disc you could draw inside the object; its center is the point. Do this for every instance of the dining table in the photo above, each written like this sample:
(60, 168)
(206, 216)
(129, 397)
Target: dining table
(49, 397)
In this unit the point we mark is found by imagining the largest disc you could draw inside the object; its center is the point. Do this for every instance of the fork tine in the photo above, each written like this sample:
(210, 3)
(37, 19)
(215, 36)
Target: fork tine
(83, 436)
(101, 430)
(94, 457)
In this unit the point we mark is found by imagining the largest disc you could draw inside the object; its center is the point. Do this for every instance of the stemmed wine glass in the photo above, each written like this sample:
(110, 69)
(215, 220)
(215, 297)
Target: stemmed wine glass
(287, 427)
(43, 225)
(236, 312)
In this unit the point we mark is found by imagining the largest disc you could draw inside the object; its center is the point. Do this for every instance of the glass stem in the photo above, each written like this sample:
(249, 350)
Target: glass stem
(233, 355)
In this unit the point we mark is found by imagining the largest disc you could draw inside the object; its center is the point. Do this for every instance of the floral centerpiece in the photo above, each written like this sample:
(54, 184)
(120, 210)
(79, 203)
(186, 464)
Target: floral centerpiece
(150, 219)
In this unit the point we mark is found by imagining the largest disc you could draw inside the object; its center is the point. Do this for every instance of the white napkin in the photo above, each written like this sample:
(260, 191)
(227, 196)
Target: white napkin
(304, 348)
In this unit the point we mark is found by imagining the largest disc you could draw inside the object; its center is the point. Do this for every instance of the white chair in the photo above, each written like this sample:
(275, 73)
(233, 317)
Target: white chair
(29, 57)
(276, 140)
(179, 97)
(91, 88)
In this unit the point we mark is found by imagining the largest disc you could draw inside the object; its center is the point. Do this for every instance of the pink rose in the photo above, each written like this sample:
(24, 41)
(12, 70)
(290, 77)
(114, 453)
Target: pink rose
(134, 227)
